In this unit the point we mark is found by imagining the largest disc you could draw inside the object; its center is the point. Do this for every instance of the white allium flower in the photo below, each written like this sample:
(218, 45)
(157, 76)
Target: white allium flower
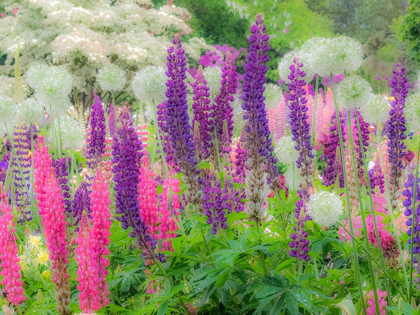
(412, 111)
(149, 85)
(325, 208)
(273, 95)
(285, 150)
(72, 135)
(376, 111)
(354, 92)
(55, 87)
(111, 78)
(287, 60)
(37, 74)
(213, 77)
(7, 115)
(30, 111)
(292, 177)
(316, 49)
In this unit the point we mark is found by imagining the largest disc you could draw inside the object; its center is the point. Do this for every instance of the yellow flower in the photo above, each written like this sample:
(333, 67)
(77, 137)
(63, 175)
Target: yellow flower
(391, 98)
(42, 258)
(46, 274)
(34, 241)
(23, 262)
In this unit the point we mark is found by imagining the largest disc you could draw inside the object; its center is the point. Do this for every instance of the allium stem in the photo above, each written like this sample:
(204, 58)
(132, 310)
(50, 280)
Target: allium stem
(314, 112)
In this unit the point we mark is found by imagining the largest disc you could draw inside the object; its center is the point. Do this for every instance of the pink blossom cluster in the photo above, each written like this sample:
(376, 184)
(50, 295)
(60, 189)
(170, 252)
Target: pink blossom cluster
(388, 243)
(371, 310)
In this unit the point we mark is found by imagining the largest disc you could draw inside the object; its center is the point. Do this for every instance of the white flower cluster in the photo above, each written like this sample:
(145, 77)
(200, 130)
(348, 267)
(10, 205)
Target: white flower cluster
(285, 150)
(37, 74)
(287, 61)
(149, 85)
(353, 92)
(376, 111)
(6, 86)
(273, 95)
(111, 78)
(292, 177)
(412, 111)
(7, 115)
(213, 76)
(30, 111)
(325, 208)
(333, 56)
(72, 135)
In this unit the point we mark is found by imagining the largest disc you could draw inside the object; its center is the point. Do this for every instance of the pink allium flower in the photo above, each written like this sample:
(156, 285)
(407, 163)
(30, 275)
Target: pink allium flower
(88, 269)
(371, 310)
(9, 256)
(100, 231)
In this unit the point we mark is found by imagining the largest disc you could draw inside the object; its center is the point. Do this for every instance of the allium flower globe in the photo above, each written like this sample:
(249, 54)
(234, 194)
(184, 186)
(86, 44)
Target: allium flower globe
(149, 85)
(316, 50)
(292, 177)
(354, 92)
(7, 114)
(213, 77)
(36, 74)
(285, 150)
(412, 111)
(273, 95)
(325, 208)
(30, 111)
(72, 135)
(376, 111)
(56, 87)
(345, 54)
(287, 61)
(111, 78)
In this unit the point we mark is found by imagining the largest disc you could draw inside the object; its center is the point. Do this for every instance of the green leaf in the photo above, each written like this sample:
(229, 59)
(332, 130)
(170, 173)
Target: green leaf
(292, 304)
(222, 278)
(347, 307)
(125, 284)
(263, 304)
(279, 305)
(407, 309)
(159, 189)
(163, 308)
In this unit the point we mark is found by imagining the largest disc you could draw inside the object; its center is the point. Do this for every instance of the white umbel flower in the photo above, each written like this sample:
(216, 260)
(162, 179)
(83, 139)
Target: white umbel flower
(213, 77)
(30, 111)
(36, 74)
(273, 95)
(111, 78)
(72, 135)
(376, 111)
(7, 115)
(354, 92)
(287, 61)
(285, 150)
(412, 111)
(149, 85)
(325, 208)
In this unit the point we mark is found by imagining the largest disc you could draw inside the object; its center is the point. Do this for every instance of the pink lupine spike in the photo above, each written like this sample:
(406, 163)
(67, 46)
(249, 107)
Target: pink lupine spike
(371, 310)
(100, 231)
(9, 256)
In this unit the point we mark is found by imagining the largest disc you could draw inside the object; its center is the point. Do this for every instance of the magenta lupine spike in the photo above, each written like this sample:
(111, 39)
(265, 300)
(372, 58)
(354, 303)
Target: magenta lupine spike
(201, 110)
(97, 134)
(22, 165)
(179, 127)
(100, 232)
(332, 153)
(396, 128)
(376, 177)
(60, 170)
(364, 129)
(222, 108)
(88, 269)
(301, 135)
(9, 256)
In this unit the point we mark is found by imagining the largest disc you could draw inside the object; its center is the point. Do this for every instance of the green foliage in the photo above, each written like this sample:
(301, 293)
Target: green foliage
(410, 30)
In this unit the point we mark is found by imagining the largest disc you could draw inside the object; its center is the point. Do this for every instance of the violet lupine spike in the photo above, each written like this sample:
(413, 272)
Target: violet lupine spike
(299, 245)
(376, 178)
(201, 109)
(215, 204)
(96, 138)
(111, 121)
(364, 129)
(241, 157)
(164, 133)
(222, 108)
(81, 203)
(332, 153)
(22, 166)
(408, 193)
(179, 127)
(60, 170)
(396, 132)
(127, 154)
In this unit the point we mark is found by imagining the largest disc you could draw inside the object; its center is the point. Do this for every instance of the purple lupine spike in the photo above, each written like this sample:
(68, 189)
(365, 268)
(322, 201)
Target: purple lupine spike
(179, 127)
(126, 159)
(22, 146)
(396, 131)
(364, 129)
(299, 245)
(60, 170)
(376, 177)
(408, 193)
(164, 133)
(97, 134)
(215, 204)
(201, 110)
(81, 203)
(111, 121)
(241, 157)
(332, 153)
(222, 108)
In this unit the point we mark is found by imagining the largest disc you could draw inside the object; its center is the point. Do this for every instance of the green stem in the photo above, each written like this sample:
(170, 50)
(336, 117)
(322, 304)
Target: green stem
(261, 254)
(314, 113)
